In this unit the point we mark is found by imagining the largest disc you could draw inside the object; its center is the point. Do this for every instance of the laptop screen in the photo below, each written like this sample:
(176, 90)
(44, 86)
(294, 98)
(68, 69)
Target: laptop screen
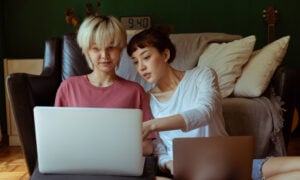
(89, 140)
(227, 157)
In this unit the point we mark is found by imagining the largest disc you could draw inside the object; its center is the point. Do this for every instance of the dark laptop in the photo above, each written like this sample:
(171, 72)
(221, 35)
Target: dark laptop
(217, 158)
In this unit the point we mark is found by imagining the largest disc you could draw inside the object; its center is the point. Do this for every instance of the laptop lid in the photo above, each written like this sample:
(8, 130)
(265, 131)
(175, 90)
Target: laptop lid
(72, 140)
(228, 157)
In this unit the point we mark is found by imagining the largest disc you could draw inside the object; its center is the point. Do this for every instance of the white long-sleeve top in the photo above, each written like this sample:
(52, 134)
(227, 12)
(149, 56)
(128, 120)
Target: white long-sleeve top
(197, 98)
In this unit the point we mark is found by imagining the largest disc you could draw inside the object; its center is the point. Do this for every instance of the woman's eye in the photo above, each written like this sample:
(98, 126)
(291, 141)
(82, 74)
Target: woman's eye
(95, 49)
(111, 48)
(147, 57)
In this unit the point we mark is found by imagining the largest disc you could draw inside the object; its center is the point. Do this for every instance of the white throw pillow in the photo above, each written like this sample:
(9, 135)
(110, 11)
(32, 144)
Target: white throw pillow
(260, 68)
(189, 46)
(227, 59)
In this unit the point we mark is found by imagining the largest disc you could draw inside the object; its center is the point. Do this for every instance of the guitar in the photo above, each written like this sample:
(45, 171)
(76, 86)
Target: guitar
(270, 16)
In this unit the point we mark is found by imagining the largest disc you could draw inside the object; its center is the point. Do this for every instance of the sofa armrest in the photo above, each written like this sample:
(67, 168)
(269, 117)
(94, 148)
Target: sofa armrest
(284, 84)
(26, 91)
(21, 105)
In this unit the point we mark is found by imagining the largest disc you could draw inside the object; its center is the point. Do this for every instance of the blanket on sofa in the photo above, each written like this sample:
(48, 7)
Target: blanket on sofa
(245, 116)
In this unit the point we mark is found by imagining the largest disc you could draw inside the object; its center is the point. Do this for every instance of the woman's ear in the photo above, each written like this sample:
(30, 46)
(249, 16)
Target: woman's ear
(166, 55)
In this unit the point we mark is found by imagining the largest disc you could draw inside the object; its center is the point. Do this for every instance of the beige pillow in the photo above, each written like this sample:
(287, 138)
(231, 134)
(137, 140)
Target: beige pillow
(227, 59)
(260, 68)
(189, 46)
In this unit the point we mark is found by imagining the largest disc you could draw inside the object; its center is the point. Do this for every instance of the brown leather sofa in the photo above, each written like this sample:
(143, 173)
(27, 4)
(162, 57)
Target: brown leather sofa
(63, 59)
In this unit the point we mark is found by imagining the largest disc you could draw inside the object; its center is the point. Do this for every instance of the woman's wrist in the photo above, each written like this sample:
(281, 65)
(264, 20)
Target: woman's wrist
(153, 126)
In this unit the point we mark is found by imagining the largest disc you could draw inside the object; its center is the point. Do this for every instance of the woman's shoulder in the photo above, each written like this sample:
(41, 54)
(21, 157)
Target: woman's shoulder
(201, 71)
(130, 84)
(74, 80)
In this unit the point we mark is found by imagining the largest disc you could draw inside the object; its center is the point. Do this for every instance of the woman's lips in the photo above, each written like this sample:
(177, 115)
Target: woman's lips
(105, 63)
(147, 75)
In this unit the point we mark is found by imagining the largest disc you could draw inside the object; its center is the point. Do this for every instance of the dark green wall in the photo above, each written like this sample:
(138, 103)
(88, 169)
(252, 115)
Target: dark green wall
(1, 28)
(26, 24)
(2, 96)
(29, 23)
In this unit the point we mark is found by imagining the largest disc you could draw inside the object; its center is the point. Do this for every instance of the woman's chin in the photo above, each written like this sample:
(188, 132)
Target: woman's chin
(151, 81)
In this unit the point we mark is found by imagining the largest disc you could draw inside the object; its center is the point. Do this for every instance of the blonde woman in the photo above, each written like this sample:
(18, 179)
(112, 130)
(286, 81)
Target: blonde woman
(102, 39)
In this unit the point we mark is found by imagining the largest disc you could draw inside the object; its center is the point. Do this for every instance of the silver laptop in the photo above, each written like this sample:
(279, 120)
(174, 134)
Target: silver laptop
(221, 158)
(73, 140)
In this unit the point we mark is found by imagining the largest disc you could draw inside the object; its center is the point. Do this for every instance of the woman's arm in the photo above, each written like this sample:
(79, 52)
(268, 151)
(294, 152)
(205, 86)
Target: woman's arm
(163, 124)
(200, 101)
(204, 101)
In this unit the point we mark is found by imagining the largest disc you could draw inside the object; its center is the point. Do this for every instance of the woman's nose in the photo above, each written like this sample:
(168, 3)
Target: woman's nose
(141, 66)
(104, 54)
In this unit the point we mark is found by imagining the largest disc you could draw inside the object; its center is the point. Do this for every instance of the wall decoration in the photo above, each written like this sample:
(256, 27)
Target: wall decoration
(74, 21)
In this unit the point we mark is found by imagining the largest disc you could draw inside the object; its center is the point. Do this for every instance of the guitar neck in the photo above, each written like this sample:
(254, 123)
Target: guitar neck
(271, 32)
(269, 15)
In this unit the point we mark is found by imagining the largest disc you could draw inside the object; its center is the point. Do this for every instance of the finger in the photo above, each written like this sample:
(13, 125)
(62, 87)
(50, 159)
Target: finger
(145, 134)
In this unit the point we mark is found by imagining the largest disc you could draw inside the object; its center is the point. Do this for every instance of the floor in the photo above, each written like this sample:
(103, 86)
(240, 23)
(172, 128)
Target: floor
(12, 164)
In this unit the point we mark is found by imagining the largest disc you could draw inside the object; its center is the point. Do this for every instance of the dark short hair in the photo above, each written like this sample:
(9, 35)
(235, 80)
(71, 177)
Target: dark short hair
(154, 38)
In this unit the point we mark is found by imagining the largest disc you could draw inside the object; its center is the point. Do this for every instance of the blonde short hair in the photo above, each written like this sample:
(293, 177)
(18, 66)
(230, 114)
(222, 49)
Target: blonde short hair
(104, 31)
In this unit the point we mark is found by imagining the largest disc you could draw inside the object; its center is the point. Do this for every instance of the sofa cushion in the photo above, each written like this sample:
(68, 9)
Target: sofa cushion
(260, 68)
(189, 46)
(73, 61)
(227, 60)
(258, 117)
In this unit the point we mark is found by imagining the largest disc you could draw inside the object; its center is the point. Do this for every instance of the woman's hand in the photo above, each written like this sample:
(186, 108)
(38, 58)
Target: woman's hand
(163, 124)
(147, 147)
(148, 127)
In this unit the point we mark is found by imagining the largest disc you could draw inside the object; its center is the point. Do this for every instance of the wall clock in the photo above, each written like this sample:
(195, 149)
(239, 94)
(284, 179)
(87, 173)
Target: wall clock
(136, 22)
